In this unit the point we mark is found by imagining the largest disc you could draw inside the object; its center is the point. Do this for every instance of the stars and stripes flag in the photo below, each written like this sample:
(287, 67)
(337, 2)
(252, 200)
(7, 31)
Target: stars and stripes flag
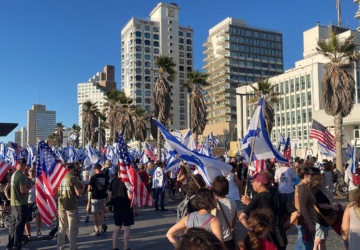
(324, 137)
(287, 149)
(138, 191)
(49, 172)
(149, 151)
(4, 168)
(258, 166)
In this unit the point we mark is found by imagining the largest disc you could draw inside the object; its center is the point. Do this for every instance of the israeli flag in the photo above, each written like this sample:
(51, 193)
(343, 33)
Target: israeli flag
(213, 139)
(3, 150)
(91, 154)
(188, 141)
(73, 137)
(208, 167)
(352, 162)
(31, 157)
(324, 150)
(263, 148)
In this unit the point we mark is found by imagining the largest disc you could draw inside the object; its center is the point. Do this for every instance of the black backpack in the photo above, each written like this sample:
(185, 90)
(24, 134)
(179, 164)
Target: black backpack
(106, 172)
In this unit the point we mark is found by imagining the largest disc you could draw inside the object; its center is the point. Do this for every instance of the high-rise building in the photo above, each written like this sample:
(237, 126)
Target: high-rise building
(300, 100)
(235, 55)
(40, 123)
(142, 40)
(94, 90)
(21, 136)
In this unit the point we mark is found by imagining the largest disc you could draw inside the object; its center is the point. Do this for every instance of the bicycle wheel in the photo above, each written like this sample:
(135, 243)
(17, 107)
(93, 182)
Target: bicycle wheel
(176, 193)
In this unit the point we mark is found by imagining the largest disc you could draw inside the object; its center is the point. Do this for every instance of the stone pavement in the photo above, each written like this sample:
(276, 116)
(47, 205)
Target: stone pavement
(147, 233)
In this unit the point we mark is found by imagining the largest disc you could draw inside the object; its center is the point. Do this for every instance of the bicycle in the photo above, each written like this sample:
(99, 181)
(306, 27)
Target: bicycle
(177, 191)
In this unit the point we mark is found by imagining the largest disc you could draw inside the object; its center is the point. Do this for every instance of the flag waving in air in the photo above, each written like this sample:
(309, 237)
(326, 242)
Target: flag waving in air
(139, 193)
(324, 137)
(149, 151)
(4, 168)
(49, 172)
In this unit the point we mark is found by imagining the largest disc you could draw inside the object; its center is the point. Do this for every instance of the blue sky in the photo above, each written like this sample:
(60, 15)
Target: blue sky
(48, 46)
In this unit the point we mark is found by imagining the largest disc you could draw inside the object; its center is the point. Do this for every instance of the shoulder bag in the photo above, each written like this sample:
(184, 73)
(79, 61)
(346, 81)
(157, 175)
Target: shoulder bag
(232, 230)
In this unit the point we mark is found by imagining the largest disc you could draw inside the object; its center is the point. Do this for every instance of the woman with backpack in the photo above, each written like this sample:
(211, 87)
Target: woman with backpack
(204, 201)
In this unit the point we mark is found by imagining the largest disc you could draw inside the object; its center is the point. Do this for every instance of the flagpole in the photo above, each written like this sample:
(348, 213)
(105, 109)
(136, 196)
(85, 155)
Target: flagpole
(250, 160)
(191, 175)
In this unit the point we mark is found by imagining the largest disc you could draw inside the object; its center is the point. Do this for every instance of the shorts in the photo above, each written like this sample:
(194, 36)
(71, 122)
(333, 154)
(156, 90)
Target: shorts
(124, 218)
(321, 232)
(97, 205)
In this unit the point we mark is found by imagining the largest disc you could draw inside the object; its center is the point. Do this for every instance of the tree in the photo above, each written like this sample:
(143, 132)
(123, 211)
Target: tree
(118, 109)
(59, 136)
(76, 129)
(266, 90)
(160, 98)
(140, 125)
(195, 83)
(338, 85)
(91, 119)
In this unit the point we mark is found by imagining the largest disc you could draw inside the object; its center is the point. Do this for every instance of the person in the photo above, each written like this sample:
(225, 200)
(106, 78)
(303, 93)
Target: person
(283, 212)
(259, 221)
(325, 208)
(19, 195)
(226, 210)
(328, 180)
(352, 187)
(183, 177)
(69, 189)
(304, 202)
(144, 176)
(350, 227)
(285, 176)
(234, 187)
(203, 202)
(98, 186)
(199, 239)
(158, 184)
(32, 206)
(123, 212)
(108, 171)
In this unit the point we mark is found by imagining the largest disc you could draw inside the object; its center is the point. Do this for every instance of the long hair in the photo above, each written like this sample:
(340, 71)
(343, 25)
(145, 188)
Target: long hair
(259, 222)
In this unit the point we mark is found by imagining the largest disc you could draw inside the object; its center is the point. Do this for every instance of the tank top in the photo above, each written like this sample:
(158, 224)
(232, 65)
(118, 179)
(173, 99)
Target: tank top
(199, 220)
(354, 235)
(233, 188)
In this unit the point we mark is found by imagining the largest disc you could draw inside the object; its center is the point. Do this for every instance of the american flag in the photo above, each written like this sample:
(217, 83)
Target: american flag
(49, 172)
(149, 151)
(319, 132)
(4, 168)
(287, 149)
(130, 177)
(260, 166)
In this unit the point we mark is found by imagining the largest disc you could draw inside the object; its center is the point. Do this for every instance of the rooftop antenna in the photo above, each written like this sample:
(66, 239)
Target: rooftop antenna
(338, 7)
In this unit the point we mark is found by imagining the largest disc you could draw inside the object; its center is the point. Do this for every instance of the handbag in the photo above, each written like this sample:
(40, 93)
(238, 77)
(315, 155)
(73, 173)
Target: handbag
(232, 231)
(330, 219)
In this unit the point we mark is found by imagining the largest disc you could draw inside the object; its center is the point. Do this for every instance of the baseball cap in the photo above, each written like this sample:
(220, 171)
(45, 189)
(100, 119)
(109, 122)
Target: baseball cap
(108, 163)
(261, 177)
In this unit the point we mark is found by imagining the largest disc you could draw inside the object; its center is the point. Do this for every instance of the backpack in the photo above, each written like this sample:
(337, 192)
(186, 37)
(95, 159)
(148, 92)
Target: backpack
(356, 177)
(105, 171)
(184, 208)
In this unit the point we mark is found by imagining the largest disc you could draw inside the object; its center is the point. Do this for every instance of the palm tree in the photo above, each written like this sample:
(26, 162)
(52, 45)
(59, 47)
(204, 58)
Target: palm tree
(59, 136)
(76, 129)
(160, 98)
(140, 125)
(90, 117)
(195, 83)
(338, 85)
(266, 90)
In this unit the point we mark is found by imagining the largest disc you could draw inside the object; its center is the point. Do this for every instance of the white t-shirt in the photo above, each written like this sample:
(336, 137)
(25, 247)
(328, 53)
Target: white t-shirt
(284, 176)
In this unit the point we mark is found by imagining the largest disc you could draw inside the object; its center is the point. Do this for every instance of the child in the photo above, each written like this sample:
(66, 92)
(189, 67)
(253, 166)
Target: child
(259, 223)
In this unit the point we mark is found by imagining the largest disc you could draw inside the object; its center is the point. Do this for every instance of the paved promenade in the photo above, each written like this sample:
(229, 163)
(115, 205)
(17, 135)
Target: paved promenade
(147, 233)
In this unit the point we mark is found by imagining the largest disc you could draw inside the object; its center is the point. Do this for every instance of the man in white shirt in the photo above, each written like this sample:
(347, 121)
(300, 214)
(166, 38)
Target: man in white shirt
(158, 185)
(285, 176)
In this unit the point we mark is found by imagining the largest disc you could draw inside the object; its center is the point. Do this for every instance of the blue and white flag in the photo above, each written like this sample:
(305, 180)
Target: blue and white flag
(177, 134)
(57, 153)
(208, 167)
(69, 154)
(3, 149)
(188, 141)
(324, 150)
(205, 149)
(281, 140)
(81, 154)
(213, 140)
(73, 137)
(143, 159)
(112, 156)
(32, 152)
(263, 148)
(11, 157)
(349, 150)
(352, 162)
(91, 154)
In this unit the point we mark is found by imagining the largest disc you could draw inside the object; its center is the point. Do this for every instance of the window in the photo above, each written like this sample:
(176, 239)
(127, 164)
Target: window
(138, 100)
(147, 71)
(147, 57)
(138, 48)
(138, 55)
(188, 34)
(308, 81)
(147, 86)
(156, 29)
(147, 35)
(156, 51)
(138, 70)
(148, 108)
(181, 33)
(156, 44)
(147, 64)
(138, 41)
(138, 78)
(147, 42)
(188, 55)
(147, 101)
(138, 34)
(156, 37)
(138, 92)
(138, 63)
(303, 86)
(147, 50)
(356, 132)
(147, 79)
(181, 40)
(297, 82)
(181, 54)
(147, 93)
(181, 68)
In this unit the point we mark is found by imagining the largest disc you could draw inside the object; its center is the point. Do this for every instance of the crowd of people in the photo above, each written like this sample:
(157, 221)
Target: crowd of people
(273, 200)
